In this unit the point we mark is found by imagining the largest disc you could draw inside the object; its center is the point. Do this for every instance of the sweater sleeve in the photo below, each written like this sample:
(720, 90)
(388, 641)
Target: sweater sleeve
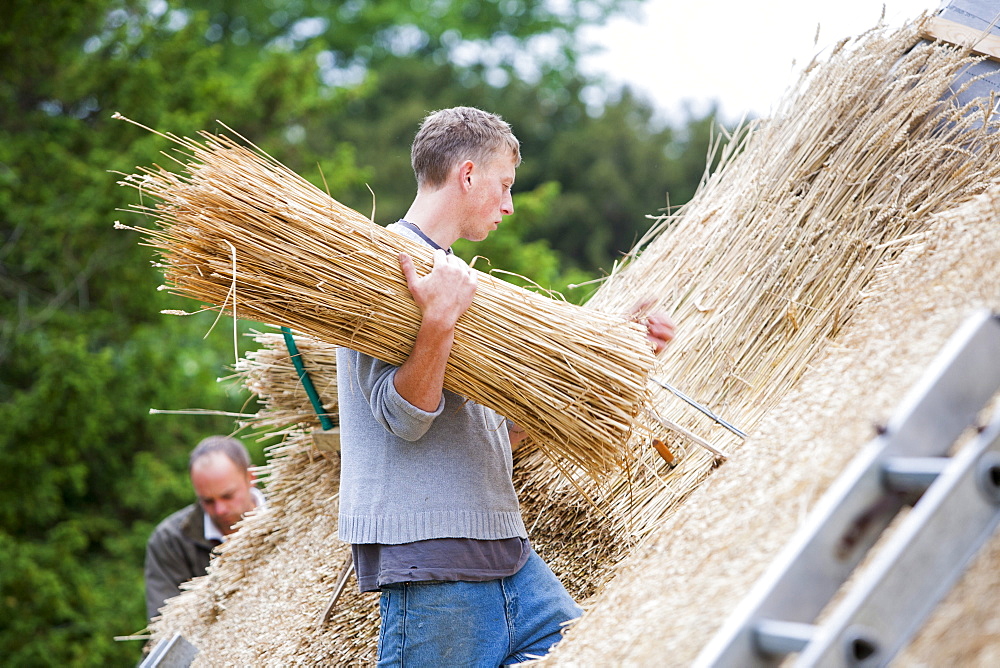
(375, 381)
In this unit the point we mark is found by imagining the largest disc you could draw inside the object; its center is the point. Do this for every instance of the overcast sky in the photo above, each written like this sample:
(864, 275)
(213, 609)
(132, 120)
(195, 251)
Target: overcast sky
(743, 54)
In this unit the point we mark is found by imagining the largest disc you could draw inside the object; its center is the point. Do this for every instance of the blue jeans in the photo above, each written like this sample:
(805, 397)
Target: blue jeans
(492, 623)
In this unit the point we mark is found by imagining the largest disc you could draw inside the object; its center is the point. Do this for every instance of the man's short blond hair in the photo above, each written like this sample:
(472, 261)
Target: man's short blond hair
(451, 136)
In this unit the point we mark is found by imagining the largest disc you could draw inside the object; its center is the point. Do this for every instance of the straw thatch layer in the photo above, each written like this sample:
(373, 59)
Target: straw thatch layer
(763, 268)
(674, 594)
(270, 375)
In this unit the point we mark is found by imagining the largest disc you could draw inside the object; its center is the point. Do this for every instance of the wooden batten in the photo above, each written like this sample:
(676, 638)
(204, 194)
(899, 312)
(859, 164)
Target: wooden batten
(951, 32)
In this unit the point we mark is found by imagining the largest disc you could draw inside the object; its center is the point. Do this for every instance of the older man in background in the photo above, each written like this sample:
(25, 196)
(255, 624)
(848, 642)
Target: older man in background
(181, 546)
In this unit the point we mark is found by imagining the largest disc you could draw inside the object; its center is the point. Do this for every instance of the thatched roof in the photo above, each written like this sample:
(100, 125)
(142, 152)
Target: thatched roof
(674, 593)
(791, 275)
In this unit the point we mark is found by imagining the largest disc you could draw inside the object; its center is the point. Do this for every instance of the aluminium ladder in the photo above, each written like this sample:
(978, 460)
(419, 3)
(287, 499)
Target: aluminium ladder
(955, 509)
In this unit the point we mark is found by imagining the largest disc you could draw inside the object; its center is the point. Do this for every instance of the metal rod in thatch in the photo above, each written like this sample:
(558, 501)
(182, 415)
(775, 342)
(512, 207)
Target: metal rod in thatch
(574, 378)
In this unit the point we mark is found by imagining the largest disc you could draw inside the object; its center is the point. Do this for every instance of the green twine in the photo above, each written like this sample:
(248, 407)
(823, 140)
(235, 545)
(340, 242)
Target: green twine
(306, 381)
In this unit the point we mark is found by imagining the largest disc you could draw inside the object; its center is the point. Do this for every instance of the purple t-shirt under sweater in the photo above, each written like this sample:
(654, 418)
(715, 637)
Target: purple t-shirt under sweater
(438, 560)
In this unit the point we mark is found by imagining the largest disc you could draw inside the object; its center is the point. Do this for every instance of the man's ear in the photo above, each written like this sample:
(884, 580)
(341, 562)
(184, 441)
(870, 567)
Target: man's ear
(465, 174)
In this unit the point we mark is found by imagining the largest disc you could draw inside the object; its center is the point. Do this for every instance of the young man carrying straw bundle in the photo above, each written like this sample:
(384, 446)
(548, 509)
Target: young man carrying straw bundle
(426, 495)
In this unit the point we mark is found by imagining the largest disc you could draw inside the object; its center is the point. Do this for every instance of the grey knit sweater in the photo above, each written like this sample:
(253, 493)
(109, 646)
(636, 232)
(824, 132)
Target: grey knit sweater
(409, 475)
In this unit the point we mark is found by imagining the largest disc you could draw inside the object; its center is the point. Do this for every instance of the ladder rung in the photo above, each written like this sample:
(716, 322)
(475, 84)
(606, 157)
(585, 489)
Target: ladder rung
(778, 638)
(914, 475)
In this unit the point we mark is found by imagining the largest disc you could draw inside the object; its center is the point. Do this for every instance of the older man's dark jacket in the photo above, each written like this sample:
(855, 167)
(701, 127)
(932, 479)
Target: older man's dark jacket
(176, 552)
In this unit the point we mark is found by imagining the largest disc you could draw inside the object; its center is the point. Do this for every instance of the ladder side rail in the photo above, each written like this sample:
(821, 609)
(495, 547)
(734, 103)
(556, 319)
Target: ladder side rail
(959, 381)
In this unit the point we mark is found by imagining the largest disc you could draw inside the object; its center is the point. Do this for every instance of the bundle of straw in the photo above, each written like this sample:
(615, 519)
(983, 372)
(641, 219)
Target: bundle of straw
(240, 232)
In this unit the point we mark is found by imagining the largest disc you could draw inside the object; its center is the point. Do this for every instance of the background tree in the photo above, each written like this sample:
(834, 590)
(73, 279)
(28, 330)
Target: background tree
(335, 91)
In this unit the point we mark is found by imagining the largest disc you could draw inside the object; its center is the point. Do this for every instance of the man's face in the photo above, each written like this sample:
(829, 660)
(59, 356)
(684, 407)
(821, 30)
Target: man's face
(223, 490)
(489, 196)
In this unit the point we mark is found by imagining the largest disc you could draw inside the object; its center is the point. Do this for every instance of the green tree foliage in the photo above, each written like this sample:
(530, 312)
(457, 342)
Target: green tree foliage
(335, 91)
(84, 352)
(614, 168)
